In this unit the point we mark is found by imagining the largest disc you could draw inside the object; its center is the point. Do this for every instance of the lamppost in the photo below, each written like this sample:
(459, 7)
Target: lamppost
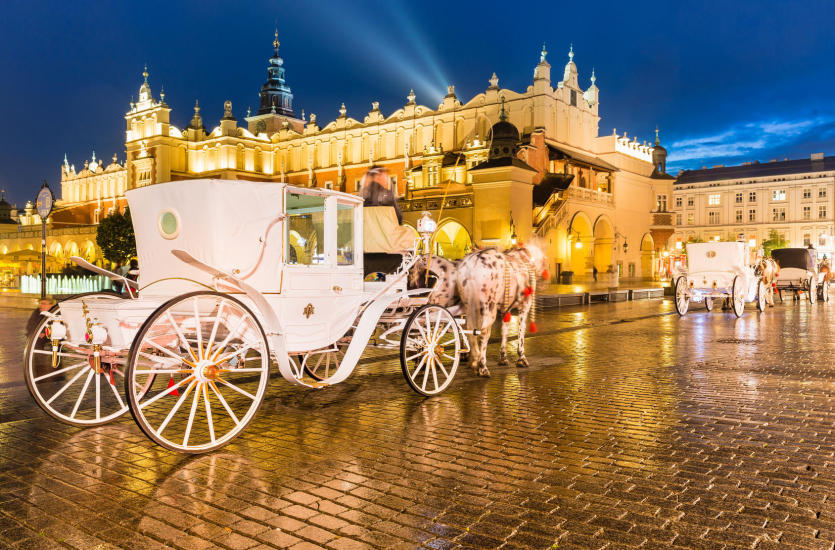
(44, 205)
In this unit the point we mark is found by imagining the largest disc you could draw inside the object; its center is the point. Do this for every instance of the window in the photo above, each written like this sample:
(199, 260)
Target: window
(305, 229)
(807, 239)
(573, 98)
(822, 239)
(778, 195)
(344, 234)
(752, 215)
(356, 186)
(807, 193)
(678, 202)
(778, 214)
(752, 196)
(738, 198)
(713, 218)
(393, 181)
(328, 184)
(713, 200)
(678, 219)
(822, 193)
(661, 203)
(807, 212)
(689, 219)
(821, 211)
(690, 201)
(739, 215)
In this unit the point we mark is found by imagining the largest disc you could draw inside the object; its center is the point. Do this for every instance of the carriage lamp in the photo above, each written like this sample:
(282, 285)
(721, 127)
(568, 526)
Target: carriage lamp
(96, 335)
(56, 332)
(426, 226)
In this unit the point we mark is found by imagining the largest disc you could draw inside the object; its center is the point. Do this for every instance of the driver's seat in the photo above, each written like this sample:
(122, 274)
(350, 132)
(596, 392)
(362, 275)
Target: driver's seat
(384, 240)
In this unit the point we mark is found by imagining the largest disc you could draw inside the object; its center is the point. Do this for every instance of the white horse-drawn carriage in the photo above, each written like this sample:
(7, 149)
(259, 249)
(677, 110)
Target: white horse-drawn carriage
(798, 272)
(719, 270)
(234, 274)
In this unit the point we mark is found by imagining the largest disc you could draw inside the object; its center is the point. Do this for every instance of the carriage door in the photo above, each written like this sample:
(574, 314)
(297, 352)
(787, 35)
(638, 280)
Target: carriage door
(319, 298)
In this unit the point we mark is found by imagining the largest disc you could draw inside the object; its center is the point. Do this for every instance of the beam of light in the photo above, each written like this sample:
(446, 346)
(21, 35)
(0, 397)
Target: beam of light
(386, 44)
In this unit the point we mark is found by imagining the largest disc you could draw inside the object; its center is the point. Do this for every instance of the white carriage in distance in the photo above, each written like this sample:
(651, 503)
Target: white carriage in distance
(234, 275)
(719, 270)
(798, 272)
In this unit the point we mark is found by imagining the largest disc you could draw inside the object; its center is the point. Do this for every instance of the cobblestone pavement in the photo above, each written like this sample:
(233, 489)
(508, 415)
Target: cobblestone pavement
(632, 428)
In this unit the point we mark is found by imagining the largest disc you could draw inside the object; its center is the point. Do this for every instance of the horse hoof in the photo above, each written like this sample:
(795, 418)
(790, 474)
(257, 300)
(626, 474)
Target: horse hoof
(503, 362)
(484, 372)
(522, 363)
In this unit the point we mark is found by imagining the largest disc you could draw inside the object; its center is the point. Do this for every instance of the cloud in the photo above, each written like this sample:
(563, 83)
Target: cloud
(748, 139)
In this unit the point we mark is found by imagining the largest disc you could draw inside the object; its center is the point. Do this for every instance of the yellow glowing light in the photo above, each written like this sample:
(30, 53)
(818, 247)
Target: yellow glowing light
(665, 253)
(752, 243)
(716, 238)
(578, 244)
(678, 245)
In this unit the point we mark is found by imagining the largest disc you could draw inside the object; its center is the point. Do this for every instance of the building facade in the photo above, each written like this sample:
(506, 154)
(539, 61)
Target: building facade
(598, 201)
(747, 202)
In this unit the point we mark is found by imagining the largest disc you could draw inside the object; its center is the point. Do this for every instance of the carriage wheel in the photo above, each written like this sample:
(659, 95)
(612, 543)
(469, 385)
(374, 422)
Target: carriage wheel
(813, 290)
(708, 303)
(825, 291)
(72, 391)
(762, 289)
(321, 364)
(211, 364)
(738, 296)
(429, 349)
(682, 296)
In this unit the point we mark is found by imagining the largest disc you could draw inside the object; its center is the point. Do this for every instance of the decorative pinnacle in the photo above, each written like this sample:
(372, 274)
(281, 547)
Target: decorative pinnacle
(196, 107)
(162, 94)
(411, 96)
(571, 53)
(593, 78)
(248, 112)
(342, 110)
(503, 114)
(276, 43)
(657, 141)
(145, 73)
(543, 53)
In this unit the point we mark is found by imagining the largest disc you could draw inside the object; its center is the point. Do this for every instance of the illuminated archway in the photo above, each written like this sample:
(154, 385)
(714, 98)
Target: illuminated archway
(452, 240)
(581, 245)
(604, 240)
(647, 256)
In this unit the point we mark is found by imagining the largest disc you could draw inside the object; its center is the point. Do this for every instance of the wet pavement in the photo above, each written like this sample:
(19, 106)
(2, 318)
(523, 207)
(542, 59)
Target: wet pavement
(632, 428)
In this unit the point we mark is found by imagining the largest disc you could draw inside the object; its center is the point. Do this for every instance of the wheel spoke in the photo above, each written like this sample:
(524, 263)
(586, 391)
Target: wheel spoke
(212, 336)
(118, 397)
(167, 391)
(229, 336)
(59, 371)
(175, 408)
(420, 364)
(169, 352)
(98, 396)
(60, 353)
(162, 371)
(425, 374)
(64, 388)
(228, 356)
(198, 328)
(224, 403)
(236, 388)
(441, 366)
(194, 402)
(180, 335)
(435, 372)
(209, 412)
(81, 394)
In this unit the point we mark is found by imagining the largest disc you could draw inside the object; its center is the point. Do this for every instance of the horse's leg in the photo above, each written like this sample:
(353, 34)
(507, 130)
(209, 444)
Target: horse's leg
(522, 361)
(484, 337)
(503, 347)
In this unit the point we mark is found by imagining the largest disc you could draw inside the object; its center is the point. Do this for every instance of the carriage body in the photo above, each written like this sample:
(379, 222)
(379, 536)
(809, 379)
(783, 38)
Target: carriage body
(718, 270)
(798, 273)
(234, 276)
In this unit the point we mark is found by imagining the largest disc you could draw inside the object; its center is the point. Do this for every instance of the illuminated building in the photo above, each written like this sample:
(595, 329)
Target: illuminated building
(747, 202)
(534, 157)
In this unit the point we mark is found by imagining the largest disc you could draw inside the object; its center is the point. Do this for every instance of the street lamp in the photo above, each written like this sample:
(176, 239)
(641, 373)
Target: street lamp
(513, 238)
(44, 205)
(625, 244)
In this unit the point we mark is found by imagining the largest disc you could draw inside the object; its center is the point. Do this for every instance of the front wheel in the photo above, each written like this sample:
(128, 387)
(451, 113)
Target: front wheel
(429, 349)
(813, 290)
(708, 303)
(762, 292)
(682, 296)
(208, 361)
(71, 387)
(738, 296)
(825, 291)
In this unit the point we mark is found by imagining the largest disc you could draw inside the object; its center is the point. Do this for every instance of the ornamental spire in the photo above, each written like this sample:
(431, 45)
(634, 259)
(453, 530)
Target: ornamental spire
(571, 53)
(275, 93)
(657, 140)
(503, 114)
(276, 43)
(543, 53)
(145, 73)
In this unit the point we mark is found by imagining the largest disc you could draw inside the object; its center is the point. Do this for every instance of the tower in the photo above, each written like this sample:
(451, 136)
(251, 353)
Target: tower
(275, 93)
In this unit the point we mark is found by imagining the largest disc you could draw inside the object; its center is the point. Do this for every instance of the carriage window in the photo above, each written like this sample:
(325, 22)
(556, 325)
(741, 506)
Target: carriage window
(305, 236)
(344, 234)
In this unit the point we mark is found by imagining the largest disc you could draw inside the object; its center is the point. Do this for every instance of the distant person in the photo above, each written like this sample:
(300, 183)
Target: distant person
(117, 285)
(376, 190)
(133, 270)
(594, 272)
(44, 304)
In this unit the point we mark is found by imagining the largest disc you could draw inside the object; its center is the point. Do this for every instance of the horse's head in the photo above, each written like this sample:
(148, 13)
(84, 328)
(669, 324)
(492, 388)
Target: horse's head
(535, 249)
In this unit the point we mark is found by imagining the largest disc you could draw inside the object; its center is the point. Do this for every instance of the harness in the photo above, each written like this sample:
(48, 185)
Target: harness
(529, 290)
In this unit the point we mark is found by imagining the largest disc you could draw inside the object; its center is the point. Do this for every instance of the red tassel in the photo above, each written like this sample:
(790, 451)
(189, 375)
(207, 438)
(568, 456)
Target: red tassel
(112, 380)
(532, 327)
(528, 291)
(546, 275)
(170, 384)
(506, 318)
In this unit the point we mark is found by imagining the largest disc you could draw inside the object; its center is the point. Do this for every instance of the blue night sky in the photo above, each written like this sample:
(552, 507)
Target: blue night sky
(726, 82)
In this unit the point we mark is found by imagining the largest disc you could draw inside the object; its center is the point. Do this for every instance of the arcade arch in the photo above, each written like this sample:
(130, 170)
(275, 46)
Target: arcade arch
(581, 244)
(452, 240)
(604, 240)
(647, 256)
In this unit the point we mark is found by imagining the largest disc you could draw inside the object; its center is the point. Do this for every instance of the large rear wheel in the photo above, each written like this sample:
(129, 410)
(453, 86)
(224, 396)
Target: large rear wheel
(825, 291)
(813, 290)
(682, 296)
(762, 295)
(209, 361)
(708, 303)
(429, 349)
